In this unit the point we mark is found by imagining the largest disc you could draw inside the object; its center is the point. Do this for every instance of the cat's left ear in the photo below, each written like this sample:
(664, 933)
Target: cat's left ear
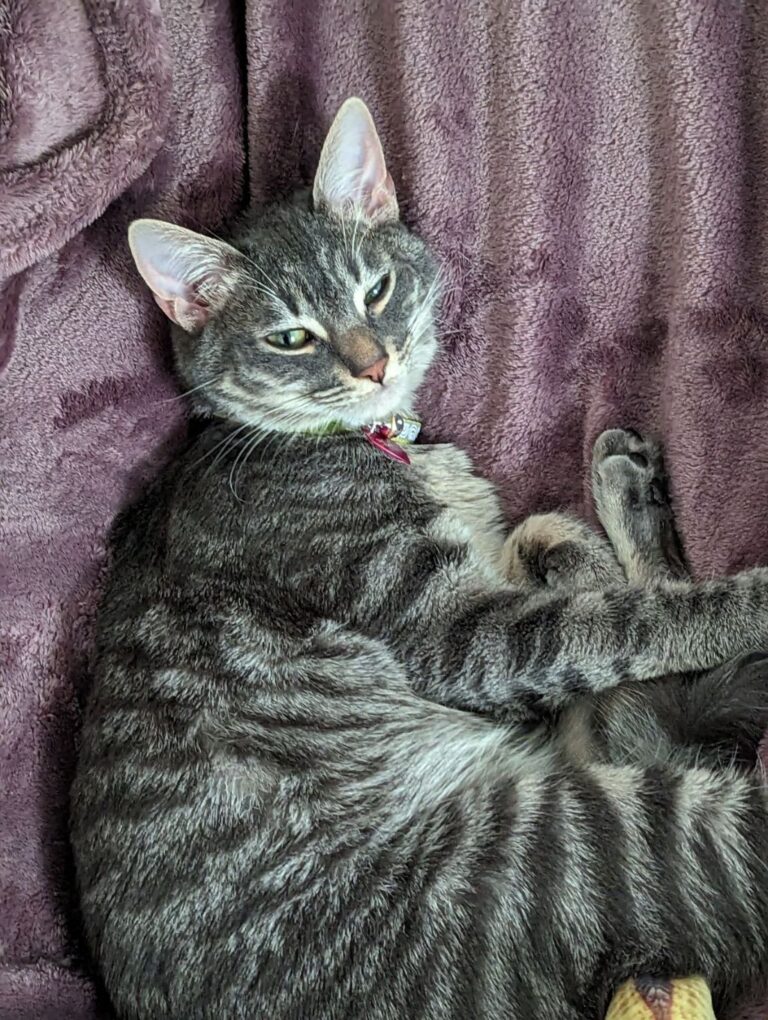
(352, 176)
(190, 276)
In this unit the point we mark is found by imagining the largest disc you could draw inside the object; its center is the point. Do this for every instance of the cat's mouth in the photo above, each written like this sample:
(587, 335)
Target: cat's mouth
(395, 393)
(388, 398)
(376, 401)
(352, 402)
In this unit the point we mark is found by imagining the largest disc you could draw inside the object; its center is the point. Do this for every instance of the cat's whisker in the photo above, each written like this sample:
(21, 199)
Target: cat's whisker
(270, 438)
(297, 413)
(265, 274)
(355, 252)
(247, 258)
(329, 390)
(209, 453)
(366, 227)
(344, 235)
(226, 444)
(267, 437)
(258, 288)
(431, 291)
(261, 441)
(350, 182)
(194, 389)
(242, 455)
(425, 306)
(280, 435)
(322, 397)
(332, 401)
(253, 283)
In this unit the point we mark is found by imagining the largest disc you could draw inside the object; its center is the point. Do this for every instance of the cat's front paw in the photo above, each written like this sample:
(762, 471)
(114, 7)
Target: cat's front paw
(632, 502)
(557, 551)
(627, 474)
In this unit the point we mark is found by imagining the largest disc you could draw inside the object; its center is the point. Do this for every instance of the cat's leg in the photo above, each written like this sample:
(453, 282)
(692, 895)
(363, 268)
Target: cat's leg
(586, 877)
(558, 551)
(629, 486)
(633, 723)
(627, 723)
(531, 653)
(717, 717)
(630, 492)
(528, 653)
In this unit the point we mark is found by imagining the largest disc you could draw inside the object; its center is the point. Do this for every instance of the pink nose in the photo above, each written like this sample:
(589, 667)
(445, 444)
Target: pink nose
(375, 371)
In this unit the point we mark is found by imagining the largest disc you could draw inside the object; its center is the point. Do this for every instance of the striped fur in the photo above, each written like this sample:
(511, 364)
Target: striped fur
(270, 820)
(331, 764)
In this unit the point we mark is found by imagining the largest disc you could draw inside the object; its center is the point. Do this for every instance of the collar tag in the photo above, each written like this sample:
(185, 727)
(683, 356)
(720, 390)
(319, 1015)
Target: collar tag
(402, 429)
(376, 436)
(391, 436)
(387, 436)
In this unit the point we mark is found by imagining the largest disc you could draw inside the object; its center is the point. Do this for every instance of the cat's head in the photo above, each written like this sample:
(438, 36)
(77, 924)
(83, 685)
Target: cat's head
(316, 311)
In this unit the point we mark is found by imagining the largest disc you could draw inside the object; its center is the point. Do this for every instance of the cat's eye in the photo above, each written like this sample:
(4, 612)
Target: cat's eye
(377, 291)
(290, 339)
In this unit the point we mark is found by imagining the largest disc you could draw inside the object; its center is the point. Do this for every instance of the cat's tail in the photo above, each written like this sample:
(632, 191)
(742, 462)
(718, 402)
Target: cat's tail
(715, 718)
(721, 714)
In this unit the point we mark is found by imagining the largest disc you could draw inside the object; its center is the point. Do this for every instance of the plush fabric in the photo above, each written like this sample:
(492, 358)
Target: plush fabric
(84, 394)
(593, 177)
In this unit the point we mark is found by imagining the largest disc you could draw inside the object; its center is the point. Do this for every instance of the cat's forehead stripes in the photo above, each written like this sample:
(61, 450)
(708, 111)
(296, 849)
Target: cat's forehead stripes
(323, 278)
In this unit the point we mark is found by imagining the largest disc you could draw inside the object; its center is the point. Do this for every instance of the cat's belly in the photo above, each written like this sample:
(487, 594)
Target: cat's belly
(472, 513)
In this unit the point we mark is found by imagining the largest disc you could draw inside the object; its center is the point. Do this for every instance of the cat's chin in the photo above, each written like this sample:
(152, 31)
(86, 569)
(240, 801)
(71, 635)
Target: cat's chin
(381, 405)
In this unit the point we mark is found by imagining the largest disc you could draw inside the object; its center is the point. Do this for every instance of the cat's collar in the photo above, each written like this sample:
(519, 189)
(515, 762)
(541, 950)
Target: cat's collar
(390, 436)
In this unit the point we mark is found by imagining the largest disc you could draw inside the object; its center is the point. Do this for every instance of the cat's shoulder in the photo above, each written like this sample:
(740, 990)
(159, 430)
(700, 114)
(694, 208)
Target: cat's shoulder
(444, 467)
(471, 502)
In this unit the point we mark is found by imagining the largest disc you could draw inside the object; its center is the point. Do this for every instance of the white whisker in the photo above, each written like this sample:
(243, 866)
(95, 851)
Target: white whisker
(186, 393)
(225, 444)
(227, 439)
(247, 446)
(271, 293)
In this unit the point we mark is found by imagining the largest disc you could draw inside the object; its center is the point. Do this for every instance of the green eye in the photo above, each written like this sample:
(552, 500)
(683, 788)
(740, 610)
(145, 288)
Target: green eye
(377, 290)
(290, 339)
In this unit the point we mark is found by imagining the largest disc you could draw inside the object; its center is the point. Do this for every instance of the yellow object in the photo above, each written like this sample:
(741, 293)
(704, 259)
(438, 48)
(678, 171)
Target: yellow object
(650, 999)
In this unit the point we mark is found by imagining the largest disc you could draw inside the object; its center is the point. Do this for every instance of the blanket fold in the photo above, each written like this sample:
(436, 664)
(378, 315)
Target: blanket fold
(66, 154)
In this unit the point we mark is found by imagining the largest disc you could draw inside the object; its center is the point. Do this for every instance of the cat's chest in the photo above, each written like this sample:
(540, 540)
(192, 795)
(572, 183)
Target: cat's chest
(470, 507)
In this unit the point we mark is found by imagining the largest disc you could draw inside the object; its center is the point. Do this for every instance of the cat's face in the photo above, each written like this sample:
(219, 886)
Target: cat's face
(317, 311)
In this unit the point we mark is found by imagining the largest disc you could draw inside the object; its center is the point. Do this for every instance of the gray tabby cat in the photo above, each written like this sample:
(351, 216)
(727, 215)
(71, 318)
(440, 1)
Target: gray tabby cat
(349, 754)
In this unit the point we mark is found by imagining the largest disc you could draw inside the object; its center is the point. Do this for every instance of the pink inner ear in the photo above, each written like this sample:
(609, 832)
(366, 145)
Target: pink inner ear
(352, 172)
(382, 197)
(190, 315)
(188, 274)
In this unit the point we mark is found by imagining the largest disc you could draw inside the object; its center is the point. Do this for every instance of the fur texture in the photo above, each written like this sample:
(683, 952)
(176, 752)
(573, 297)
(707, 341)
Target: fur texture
(595, 184)
(334, 763)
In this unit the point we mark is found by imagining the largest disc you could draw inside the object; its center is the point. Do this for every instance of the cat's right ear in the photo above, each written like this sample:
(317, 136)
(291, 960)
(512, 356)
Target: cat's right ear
(190, 275)
(352, 177)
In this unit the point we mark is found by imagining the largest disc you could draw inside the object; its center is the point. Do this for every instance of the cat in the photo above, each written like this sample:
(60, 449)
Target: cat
(350, 751)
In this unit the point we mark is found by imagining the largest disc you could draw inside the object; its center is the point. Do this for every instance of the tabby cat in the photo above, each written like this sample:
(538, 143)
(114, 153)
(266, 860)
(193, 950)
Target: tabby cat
(349, 753)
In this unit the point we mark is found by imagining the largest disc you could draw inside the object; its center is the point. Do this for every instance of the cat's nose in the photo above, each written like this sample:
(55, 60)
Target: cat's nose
(375, 371)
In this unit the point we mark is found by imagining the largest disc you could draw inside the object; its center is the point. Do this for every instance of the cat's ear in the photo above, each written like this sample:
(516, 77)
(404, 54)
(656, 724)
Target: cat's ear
(190, 276)
(352, 176)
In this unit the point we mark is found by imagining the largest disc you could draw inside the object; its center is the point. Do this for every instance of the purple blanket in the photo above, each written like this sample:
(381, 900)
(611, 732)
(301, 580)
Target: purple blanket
(594, 177)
